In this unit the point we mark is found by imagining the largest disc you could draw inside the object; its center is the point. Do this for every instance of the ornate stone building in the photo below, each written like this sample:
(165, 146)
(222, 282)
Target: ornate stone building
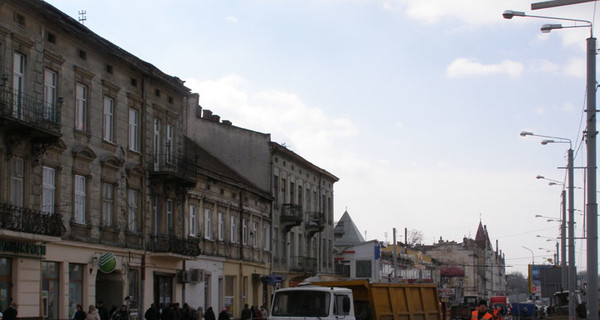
(102, 196)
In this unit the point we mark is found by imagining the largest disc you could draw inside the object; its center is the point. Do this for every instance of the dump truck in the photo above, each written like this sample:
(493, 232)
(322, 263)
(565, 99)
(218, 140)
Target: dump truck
(357, 300)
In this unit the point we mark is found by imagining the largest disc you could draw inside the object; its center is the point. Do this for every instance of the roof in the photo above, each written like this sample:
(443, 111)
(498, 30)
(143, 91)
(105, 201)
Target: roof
(211, 166)
(346, 233)
(84, 34)
(481, 238)
(276, 147)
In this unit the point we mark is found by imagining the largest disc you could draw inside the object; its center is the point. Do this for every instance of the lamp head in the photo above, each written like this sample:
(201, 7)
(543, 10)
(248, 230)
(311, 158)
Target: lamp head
(509, 14)
(525, 133)
(545, 142)
(546, 28)
(540, 177)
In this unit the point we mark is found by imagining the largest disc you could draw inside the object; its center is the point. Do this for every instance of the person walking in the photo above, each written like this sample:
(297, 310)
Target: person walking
(223, 315)
(481, 312)
(209, 314)
(92, 313)
(152, 313)
(79, 314)
(11, 312)
(102, 312)
(246, 313)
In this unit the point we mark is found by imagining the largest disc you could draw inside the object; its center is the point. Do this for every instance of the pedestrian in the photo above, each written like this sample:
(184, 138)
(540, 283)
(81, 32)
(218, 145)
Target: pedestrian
(79, 314)
(246, 313)
(199, 314)
(209, 315)
(102, 312)
(223, 315)
(122, 314)
(481, 312)
(167, 313)
(152, 313)
(92, 313)
(11, 312)
(264, 312)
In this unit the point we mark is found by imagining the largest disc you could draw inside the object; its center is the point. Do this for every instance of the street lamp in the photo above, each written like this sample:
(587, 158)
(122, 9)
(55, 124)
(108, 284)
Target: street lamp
(571, 273)
(590, 134)
(532, 256)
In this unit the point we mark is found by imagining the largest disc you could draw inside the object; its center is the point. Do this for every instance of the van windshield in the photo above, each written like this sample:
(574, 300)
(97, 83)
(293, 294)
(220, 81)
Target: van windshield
(305, 303)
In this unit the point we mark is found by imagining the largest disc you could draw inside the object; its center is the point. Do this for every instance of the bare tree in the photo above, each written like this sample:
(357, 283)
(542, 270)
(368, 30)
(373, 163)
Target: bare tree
(415, 237)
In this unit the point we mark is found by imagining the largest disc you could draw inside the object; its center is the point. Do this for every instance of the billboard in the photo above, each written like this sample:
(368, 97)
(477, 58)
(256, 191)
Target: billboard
(535, 277)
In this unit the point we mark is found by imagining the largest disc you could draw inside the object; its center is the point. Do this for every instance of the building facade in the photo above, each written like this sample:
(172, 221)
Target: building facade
(102, 196)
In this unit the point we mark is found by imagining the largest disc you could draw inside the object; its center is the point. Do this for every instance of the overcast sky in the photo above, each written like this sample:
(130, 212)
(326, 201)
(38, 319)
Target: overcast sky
(416, 105)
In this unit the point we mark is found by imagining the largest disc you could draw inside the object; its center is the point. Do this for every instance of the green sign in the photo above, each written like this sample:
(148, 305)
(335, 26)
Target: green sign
(107, 262)
(17, 247)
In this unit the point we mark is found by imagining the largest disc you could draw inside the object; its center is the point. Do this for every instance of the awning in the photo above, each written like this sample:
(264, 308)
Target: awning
(271, 279)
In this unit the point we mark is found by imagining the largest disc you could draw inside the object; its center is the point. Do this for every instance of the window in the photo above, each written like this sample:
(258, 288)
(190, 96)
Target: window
(132, 204)
(233, 229)
(292, 187)
(81, 107)
(108, 200)
(169, 216)
(80, 199)
(244, 231)
(254, 234)
(157, 215)
(208, 224)
(48, 189)
(50, 285)
(156, 144)
(109, 115)
(221, 223)
(169, 143)
(16, 182)
(18, 84)
(266, 237)
(134, 122)
(276, 189)
(300, 196)
(75, 287)
(284, 190)
(193, 220)
(50, 79)
(363, 268)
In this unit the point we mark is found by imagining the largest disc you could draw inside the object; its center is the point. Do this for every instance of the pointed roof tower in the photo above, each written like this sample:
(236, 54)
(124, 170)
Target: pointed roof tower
(346, 233)
(481, 238)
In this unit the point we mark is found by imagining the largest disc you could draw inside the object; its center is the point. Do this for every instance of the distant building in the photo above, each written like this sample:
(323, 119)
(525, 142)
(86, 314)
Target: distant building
(470, 268)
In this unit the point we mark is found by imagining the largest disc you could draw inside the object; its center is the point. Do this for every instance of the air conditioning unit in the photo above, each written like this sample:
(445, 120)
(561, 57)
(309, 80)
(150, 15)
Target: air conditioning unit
(196, 275)
(183, 276)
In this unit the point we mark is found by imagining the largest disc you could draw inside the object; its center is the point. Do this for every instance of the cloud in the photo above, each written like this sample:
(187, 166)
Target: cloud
(470, 12)
(575, 68)
(305, 129)
(464, 67)
(232, 19)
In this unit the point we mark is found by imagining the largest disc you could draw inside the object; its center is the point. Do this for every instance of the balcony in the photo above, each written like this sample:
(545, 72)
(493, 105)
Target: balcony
(291, 216)
(23, 115)
(30, 221)
(170, 169)
(303, 264)
(173, 244)
(313, 223)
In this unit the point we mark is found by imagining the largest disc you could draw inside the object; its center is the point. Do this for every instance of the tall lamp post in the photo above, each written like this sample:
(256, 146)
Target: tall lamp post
(571, 268)
(532, 256)
(590, 135)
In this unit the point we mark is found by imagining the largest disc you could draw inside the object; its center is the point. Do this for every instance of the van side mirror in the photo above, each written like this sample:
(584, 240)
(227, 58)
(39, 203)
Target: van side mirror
(346, 305)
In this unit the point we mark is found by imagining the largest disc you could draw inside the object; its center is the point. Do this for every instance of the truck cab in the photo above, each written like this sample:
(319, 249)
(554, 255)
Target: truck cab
(312, 302)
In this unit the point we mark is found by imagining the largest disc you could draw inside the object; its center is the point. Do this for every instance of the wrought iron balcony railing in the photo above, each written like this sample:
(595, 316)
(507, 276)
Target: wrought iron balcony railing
(169, 243)
(303, 264)
(30, 221)
(171, 167)
(29, 110)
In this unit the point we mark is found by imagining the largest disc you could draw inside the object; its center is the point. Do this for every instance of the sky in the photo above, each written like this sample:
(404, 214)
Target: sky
(415, 105)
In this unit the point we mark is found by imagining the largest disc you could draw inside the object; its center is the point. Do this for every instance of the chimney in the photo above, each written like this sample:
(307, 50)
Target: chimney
(215, 118)
(207, 114)
(199, 111)
(226, 122)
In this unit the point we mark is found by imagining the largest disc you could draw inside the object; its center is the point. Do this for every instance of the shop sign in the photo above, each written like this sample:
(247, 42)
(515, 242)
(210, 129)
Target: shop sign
(107, 262)
(17, 247)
